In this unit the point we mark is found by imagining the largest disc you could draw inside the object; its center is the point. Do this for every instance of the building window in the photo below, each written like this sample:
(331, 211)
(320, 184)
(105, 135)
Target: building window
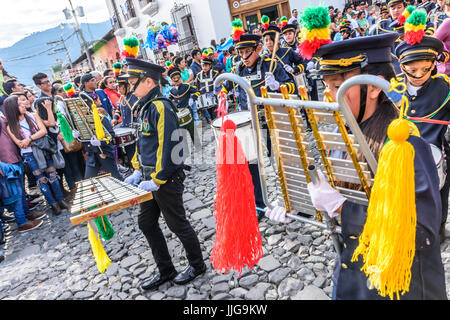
(128, 10)
(143, 3)
(142, 53)
(182, 18)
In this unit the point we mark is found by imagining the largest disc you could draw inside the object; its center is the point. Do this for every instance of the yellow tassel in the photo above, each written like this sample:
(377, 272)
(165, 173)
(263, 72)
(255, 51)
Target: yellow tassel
(101, 258)
(387, 243)
(99, 132)
(323, 33)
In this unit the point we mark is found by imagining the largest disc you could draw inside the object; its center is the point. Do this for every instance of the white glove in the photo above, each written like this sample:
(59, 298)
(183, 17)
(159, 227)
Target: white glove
(134, 179)
(95, 142)
(148, 185)
(310, 65)
(191, 101)
(288, 68)
(75, 134)
(324, 197)
(278, 213)
(271, 82)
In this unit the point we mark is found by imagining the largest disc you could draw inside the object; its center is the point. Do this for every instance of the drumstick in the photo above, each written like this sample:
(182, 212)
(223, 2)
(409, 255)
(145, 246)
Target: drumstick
(275, 49)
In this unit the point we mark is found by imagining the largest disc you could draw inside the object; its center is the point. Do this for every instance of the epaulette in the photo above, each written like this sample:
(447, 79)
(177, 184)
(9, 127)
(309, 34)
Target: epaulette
(441, 75)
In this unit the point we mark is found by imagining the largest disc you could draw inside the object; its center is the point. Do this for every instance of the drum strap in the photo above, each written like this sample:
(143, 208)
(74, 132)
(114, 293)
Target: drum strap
(253, 77)
(182, 95)
(208, 80)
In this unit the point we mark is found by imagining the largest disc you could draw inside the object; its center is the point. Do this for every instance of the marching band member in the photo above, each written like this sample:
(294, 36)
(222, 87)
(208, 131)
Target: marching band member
(290, 39)
(422, 275)
(256, 70)
(428, 96)
(184, 95)
(158, 172)
(437, 15)
(205, 84)
(395, 8)
(100, 154)
(123, 114)
(290, 60)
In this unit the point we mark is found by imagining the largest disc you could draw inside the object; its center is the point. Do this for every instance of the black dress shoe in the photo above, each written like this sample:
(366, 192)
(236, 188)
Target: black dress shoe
(63, 205)
(156, 281)
(189, 274)
(56, 209)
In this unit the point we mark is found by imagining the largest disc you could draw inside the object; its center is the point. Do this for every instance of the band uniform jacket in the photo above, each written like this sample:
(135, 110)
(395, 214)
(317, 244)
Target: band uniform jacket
(288, 56)
(432, 96)
(124, 109)
(180, 95)
(107, 147)
(256, 78)
(156, 144)
(205, 81)
(427, 272)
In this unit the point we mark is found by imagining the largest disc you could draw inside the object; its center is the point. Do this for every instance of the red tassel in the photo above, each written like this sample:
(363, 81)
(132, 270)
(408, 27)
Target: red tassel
(413, 37)
(401, 20)
(307, 48)
(238, 240)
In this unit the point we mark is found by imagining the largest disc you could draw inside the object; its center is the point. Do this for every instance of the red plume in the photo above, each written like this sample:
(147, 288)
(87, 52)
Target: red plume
(238, 240)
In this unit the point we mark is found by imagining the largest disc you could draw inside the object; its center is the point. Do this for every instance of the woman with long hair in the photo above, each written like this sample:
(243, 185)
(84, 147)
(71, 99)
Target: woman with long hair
(186, 74)
(109, 85)
(46, 110)
(24, 128)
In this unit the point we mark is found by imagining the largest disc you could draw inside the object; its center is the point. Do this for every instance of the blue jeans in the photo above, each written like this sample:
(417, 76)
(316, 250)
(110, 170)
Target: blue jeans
(20, 209)
(194, 112)
(71, 170)
(48, 181)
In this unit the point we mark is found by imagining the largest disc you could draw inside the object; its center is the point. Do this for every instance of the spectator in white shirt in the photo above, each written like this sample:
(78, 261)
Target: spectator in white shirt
(294, 19)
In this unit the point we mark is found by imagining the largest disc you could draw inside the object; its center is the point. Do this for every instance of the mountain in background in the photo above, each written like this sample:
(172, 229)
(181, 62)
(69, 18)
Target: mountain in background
(35, 51)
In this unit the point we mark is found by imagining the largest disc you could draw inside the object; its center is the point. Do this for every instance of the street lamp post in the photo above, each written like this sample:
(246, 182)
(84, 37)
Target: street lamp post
(80, 32)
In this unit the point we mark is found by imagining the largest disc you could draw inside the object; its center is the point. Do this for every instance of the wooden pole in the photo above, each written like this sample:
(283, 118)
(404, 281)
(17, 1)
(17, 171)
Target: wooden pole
(274, 52)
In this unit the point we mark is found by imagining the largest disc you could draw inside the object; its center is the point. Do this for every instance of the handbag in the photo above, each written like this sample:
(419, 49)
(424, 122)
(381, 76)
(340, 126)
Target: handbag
(46, 144)
(74, 146)
(58, 160)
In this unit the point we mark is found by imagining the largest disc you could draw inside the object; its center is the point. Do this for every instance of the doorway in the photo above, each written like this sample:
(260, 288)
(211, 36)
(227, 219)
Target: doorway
(271, 12)
(252, 22)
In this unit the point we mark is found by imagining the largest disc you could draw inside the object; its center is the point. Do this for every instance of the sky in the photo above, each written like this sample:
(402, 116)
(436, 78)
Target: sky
(19, 18)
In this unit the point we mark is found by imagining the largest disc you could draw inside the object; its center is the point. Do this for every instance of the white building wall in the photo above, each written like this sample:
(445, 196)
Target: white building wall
(211, 19)
(301, 5)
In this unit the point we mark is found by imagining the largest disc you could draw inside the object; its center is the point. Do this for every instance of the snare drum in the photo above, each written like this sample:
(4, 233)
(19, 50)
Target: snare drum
(439, 160)
(124, 136)
(184, 117)
(185, 121)
(206, 101)
(244, 132)
(302, 81)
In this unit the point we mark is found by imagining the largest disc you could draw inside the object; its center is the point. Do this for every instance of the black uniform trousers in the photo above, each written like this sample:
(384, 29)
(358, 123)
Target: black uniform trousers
(108, 164)
(168, 200)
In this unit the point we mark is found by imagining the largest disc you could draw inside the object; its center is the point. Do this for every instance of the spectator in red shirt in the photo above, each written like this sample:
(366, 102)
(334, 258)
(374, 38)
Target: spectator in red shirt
(109, 85)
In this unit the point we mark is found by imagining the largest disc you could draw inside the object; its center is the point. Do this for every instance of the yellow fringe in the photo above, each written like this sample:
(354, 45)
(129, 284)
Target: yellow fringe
(99, 132)
(411, 27)
(387, 243)
(323, 33)
(101, 258)
(133, 51)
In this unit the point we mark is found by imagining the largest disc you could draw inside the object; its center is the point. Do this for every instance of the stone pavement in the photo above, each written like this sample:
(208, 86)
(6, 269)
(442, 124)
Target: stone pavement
(55, 261)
